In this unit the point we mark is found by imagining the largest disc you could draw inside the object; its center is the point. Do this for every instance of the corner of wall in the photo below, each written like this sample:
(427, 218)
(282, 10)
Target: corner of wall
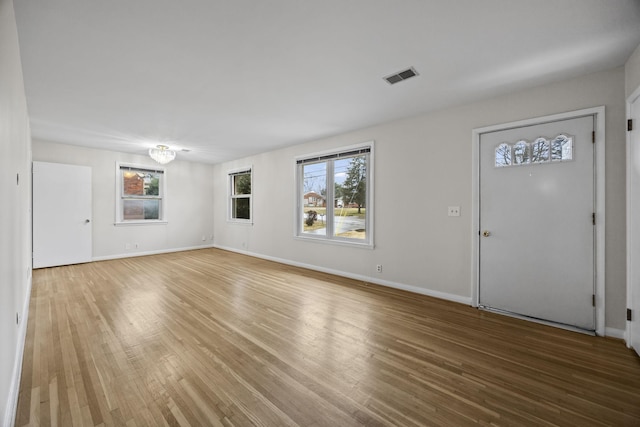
(632, 73)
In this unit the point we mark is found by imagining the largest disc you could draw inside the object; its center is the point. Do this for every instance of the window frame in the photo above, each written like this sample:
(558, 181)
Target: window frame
(162, 195)
(327, 156)
(231, 196)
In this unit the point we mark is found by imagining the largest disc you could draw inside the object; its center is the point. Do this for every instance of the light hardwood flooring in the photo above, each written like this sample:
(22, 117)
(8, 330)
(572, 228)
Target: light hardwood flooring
(210, 337)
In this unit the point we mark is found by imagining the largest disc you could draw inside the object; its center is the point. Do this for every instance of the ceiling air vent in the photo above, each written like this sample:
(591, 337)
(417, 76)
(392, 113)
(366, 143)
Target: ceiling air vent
(402, 75)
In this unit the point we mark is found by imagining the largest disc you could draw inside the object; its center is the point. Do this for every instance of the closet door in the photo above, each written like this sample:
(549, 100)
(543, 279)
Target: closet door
(61, 214)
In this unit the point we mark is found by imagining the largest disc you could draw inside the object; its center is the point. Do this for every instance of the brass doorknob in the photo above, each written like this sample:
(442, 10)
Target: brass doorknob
(486, 233)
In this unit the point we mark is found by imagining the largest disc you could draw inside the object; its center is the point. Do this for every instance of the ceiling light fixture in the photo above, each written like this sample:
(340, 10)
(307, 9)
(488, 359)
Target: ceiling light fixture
(162, 154)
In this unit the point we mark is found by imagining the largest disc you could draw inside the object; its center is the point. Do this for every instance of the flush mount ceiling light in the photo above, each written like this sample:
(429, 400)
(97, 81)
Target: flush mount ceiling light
(162, 154)
(401, 75)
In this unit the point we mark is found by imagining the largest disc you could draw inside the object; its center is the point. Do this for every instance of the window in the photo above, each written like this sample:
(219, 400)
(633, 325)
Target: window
(541, 150)
(240, 205)
(335, 196)
(521, 153)
(562, 148)
(140, 195)
(503, 155)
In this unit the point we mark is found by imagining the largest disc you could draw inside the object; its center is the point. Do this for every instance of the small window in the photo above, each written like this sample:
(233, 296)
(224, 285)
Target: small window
(521, 153)
(503, 155)
(140, 195)
(562, 148)
(540, 151)
(335, 196)
(240, 204)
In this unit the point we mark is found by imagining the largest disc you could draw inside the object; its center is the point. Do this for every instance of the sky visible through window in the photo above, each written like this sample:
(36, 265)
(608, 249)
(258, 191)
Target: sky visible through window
(315, 175)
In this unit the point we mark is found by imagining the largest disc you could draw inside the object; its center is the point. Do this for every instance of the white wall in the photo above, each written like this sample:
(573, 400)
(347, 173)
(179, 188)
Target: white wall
(423, 165)
(189, 202)
(632, 72)
(15, 217)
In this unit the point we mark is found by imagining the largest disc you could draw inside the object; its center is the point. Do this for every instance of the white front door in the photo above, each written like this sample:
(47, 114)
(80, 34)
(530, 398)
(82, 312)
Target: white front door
(633, 225)
(61, 214)
(537, 233)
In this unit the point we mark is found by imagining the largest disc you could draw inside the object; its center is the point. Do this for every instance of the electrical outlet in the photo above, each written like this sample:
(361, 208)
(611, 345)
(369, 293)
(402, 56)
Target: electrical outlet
(379, 268)
(136, 245)
(454, 211)
(204, 237)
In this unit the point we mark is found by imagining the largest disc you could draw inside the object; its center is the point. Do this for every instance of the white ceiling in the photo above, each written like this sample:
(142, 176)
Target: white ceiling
(227, 79)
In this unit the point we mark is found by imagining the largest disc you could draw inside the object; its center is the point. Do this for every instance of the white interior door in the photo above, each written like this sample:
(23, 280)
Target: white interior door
(61, 214)
(633, 225)
(537, 233)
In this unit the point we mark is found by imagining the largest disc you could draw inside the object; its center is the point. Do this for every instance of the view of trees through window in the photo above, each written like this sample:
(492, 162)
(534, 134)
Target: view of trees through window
(541, 150)
(240, 195)
(335, 197)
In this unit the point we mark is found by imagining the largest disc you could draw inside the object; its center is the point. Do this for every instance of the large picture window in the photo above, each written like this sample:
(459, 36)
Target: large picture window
(240, 205)
(140, 195)
(335, 196)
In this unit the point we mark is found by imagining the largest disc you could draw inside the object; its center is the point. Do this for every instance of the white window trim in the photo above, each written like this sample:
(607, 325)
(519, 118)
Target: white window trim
(230, 196)
(298, 208)
(163, 195)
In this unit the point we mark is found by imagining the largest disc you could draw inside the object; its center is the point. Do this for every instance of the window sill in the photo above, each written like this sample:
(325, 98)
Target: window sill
(240, 221)
(338, 242)
(148, 222)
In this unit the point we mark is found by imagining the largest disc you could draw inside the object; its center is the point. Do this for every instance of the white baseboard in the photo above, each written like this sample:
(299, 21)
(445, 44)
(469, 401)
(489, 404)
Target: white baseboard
(609, 332)
(614, 333)
(157, 252)
(387, 283)
(14, 391)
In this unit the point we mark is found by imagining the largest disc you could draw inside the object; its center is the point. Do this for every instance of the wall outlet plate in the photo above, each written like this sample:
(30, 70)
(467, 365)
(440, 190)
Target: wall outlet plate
(454, 211)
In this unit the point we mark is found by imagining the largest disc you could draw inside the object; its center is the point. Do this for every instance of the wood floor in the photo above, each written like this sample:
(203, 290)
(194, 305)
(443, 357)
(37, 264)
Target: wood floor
(209, 337)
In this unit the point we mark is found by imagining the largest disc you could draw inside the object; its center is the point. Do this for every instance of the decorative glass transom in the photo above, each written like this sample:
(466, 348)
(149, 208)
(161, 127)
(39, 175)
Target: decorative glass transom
(541, 150)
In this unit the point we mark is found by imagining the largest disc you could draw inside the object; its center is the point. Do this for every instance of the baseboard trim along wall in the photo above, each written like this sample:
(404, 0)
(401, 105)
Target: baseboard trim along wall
(387, 283)
(609, 332)
(14, 391)
(614, 333)
(157, 252)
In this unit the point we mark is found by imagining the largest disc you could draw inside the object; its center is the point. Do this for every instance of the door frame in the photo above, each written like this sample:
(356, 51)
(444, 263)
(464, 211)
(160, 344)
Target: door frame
(635, 95)
(599, 187)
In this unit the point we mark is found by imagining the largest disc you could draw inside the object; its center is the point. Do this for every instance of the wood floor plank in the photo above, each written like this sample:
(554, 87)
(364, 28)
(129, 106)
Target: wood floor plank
(210, 337)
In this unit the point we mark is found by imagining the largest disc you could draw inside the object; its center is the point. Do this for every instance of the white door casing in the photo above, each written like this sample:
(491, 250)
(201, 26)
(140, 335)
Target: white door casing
(633, 222)
(61, 214)
(537, 260)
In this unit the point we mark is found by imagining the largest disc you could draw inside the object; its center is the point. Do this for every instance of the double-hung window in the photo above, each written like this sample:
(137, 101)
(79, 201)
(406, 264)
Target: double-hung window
(335, 196)
(140, 196)
(240, 203)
